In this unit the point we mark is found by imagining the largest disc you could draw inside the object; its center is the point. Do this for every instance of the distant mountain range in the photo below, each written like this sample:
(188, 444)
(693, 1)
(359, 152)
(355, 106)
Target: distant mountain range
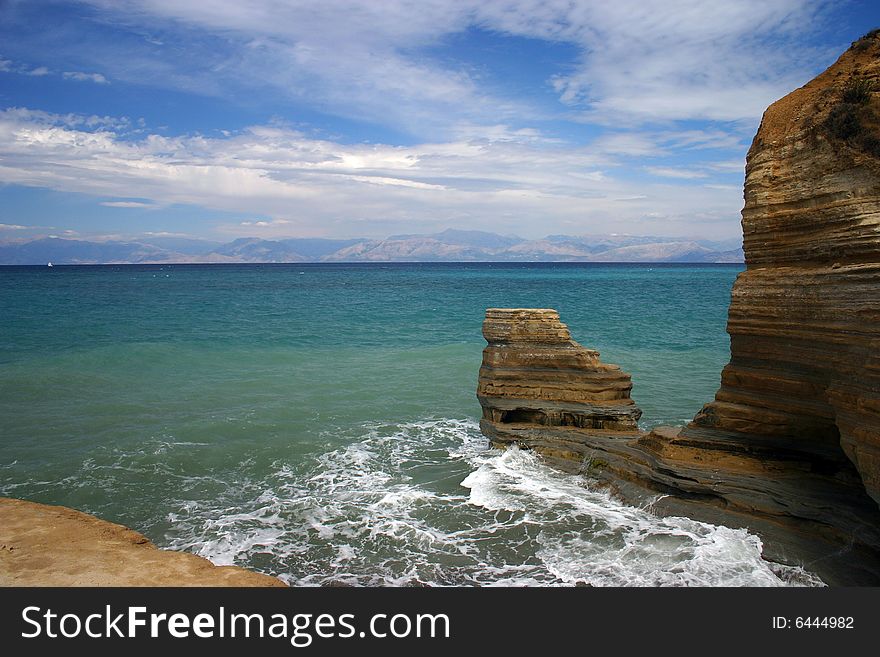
(448, 246)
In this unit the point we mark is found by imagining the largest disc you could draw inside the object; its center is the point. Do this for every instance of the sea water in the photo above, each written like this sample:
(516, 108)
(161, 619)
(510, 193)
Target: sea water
(319, 422)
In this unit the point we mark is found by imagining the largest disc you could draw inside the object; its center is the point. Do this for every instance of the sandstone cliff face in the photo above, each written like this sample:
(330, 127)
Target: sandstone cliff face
(805, 316)
(790, 447)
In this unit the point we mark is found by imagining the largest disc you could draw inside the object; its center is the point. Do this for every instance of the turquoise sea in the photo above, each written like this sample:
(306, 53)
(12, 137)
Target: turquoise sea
(319, 422)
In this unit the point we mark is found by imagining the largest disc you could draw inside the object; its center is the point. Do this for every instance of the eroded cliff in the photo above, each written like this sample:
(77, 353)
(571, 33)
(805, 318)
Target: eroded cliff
(790, 447)
(804, 318)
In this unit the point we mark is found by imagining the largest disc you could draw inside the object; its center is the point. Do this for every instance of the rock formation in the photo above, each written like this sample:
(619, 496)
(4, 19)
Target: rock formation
(805, 316)
(44, 545)
(534, 374)
(790, 447)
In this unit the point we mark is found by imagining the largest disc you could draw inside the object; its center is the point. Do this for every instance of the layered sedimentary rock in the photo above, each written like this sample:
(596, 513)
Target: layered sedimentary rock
(44, 545)
(805, 316)
(534, 375)
(542, 391)
(790, 447)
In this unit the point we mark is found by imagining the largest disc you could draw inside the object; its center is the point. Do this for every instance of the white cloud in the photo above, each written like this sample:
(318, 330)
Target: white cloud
(41, 71)
(264, 224)
(632, 144)
(676, 172)
(654, 60)
(638, 60)
(729, 188)
(531, 188)
(651, 143)
(12, 227)
(79, 76)
(90, 122)
(730, 166)
(649, 80)
(127, 204)
(497, 132)
(401, 182)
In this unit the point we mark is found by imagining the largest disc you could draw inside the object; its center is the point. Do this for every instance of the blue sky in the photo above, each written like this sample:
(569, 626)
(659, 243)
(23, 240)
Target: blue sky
(268, 118)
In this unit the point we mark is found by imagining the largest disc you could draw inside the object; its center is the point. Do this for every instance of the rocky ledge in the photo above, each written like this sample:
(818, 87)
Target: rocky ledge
(790, 447)
(44, 545)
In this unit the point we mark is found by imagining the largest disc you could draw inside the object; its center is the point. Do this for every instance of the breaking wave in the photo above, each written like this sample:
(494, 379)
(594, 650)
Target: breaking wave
(428, 503)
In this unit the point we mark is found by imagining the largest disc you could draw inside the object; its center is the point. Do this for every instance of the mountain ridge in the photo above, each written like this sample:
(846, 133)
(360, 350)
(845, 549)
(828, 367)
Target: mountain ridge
(447, 246)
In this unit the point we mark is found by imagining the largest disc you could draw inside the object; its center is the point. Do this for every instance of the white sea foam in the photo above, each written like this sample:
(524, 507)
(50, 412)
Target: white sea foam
(428, 502)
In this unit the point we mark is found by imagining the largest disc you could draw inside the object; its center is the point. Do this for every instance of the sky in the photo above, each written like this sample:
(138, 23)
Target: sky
(221, 119)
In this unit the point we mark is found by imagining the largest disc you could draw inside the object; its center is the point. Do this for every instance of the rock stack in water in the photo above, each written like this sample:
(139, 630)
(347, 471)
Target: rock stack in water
(790, 447)
(535, 376)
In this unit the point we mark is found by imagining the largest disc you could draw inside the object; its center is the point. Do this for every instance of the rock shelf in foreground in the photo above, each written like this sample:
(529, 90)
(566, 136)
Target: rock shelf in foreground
(43, 545)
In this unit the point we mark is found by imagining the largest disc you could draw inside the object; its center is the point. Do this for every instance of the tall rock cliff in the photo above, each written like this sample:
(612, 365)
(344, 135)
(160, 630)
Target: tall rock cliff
(790, 447)
(804, 318)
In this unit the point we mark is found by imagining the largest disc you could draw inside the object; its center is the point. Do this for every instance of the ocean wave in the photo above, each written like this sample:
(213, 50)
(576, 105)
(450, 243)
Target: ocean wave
(428, 503)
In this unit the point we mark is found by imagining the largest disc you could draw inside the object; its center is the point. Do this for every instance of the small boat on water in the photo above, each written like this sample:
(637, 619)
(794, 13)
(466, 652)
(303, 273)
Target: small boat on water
(49, 264)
